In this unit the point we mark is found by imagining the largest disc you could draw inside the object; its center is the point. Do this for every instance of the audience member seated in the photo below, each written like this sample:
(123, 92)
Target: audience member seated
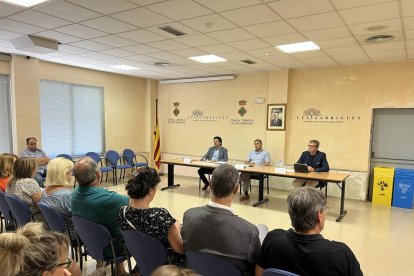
(6, 169)
(172, 270)
(215, 228)
(303, 250)
(40, 157)
(92, 202)
(32, 250)
(57, 194)
(155, 222)
(23, 186)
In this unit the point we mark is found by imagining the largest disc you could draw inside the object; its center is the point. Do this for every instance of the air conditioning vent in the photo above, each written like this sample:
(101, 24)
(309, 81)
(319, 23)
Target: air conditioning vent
(379, 38)
(248, 61)
(172, 31)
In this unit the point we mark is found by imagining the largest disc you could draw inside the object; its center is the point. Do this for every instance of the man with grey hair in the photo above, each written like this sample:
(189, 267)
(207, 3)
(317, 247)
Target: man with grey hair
(215, 228)
(92, 202)
(303, 250)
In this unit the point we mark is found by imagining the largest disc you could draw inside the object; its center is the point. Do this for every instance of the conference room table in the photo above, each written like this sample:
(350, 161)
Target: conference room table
(329, 177)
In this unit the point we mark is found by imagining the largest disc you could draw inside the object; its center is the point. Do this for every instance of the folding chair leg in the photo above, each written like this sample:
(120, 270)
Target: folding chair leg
(267, 184)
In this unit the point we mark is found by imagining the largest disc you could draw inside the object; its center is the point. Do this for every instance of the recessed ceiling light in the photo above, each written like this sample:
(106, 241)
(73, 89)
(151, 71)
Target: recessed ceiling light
(208, 59)
(379, 38)
(124, 67)
(375, 28)
(25, 3)
(298, 47)
(162, 64)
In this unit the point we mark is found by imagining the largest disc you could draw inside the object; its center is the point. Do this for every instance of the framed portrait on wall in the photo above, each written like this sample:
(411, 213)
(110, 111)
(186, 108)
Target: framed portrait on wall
(276, 116)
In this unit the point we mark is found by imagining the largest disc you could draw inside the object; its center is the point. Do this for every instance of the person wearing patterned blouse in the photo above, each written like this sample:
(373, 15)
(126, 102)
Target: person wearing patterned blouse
(155, 222)
(57, 194)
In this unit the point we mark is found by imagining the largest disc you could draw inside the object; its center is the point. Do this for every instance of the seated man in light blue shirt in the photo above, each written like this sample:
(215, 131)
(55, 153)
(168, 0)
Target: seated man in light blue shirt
(257, 157)
(40, 156)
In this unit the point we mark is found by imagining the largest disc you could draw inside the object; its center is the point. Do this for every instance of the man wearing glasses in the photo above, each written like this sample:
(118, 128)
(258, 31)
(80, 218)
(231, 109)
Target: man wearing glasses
(316, 162)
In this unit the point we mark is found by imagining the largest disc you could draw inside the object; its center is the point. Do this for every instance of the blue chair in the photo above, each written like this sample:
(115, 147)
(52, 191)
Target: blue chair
(277, 272)
(114, 160)
(20, 210)
(96, 239)
(57, 223)
(210, 265)
(67, 156)
(7, 216)
(131, 159)
(103, 169)
(149, 253)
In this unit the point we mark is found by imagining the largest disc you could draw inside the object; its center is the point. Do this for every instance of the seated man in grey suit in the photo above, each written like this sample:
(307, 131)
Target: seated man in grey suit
(216, 153)
(215, 228)
(303, 250)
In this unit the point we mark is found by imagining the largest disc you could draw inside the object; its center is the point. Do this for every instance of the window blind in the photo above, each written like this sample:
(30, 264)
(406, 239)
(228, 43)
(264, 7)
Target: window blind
(5, 118)
(72, 118)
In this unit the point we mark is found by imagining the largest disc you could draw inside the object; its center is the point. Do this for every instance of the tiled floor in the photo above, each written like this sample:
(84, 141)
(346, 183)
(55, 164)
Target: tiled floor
(382, 238)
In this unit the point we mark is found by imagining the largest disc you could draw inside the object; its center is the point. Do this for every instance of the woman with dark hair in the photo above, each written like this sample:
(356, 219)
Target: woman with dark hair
(155, 222)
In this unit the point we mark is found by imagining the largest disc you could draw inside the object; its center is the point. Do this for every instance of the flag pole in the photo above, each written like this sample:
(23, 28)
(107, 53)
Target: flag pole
(157, 140)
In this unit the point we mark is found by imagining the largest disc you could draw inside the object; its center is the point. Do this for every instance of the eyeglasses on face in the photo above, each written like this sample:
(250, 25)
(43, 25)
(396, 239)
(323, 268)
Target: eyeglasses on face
(66, 264)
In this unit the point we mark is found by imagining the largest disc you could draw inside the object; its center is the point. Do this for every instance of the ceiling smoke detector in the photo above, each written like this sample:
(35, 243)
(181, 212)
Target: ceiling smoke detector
(376, 28)
(379, 38)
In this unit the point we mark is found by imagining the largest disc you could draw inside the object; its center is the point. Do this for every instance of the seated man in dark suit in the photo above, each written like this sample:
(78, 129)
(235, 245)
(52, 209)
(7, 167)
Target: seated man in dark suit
(303, 250)
(216, 153)
(316, 161)
(215, 228)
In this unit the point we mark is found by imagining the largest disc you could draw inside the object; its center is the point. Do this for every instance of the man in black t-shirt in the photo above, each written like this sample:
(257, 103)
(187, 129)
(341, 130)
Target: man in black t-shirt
(303, 250)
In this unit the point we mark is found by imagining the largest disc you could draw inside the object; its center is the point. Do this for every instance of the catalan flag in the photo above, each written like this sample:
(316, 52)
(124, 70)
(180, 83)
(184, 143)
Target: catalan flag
(157, 140)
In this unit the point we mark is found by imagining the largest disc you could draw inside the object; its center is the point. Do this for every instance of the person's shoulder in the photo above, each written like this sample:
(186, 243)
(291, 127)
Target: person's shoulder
(193, 210)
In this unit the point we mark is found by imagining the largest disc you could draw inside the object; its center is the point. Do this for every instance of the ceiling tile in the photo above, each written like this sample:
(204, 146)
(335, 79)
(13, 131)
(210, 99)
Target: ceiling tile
(81, 31)
(341, 4)
(118, 52)
(18, 27)
(217, 49)
(197, 40)
(349, 50)
(231, 35)
(409, 34)
(39, 19)
(9, 9)
(66, 10)
(95, 55)
(108, 25)
(337, 42)
(145, 2)
(236, 56)
(392, 25)
(141, 36)
(6, 35)
(328, 33)
(352, 59)
(393, 45)
(190, 52)
(114, 41)
(285, 39)
(220, 5)
(167, 45)
(271, 28)
(90, 45)
(407, 7)
(175, 25)
(263, 53)
(60, 37)
(298, 8)
(167, 56)
(315, 22)
(71, 49)
(141, 49)
(376, 12)
(249, 44)
(141, 17)
(217, 23)
(396, 53)
(179, 9)
(251, 15)
(105, 6)
(409, 22)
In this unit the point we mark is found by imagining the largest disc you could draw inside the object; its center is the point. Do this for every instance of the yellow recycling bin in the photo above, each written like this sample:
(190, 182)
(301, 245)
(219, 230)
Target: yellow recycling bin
(383, 185)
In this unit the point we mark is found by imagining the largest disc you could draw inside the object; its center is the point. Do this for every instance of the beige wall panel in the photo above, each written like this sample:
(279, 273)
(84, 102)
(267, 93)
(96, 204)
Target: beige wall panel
(26, 89)
(4, 67)
(351, 92)
(217, 99)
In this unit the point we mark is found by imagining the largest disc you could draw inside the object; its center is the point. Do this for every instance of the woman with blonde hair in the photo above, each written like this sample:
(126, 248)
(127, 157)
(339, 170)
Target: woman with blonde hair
(6, 169)
(57, 194)
(23, 186)
(34, 251)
